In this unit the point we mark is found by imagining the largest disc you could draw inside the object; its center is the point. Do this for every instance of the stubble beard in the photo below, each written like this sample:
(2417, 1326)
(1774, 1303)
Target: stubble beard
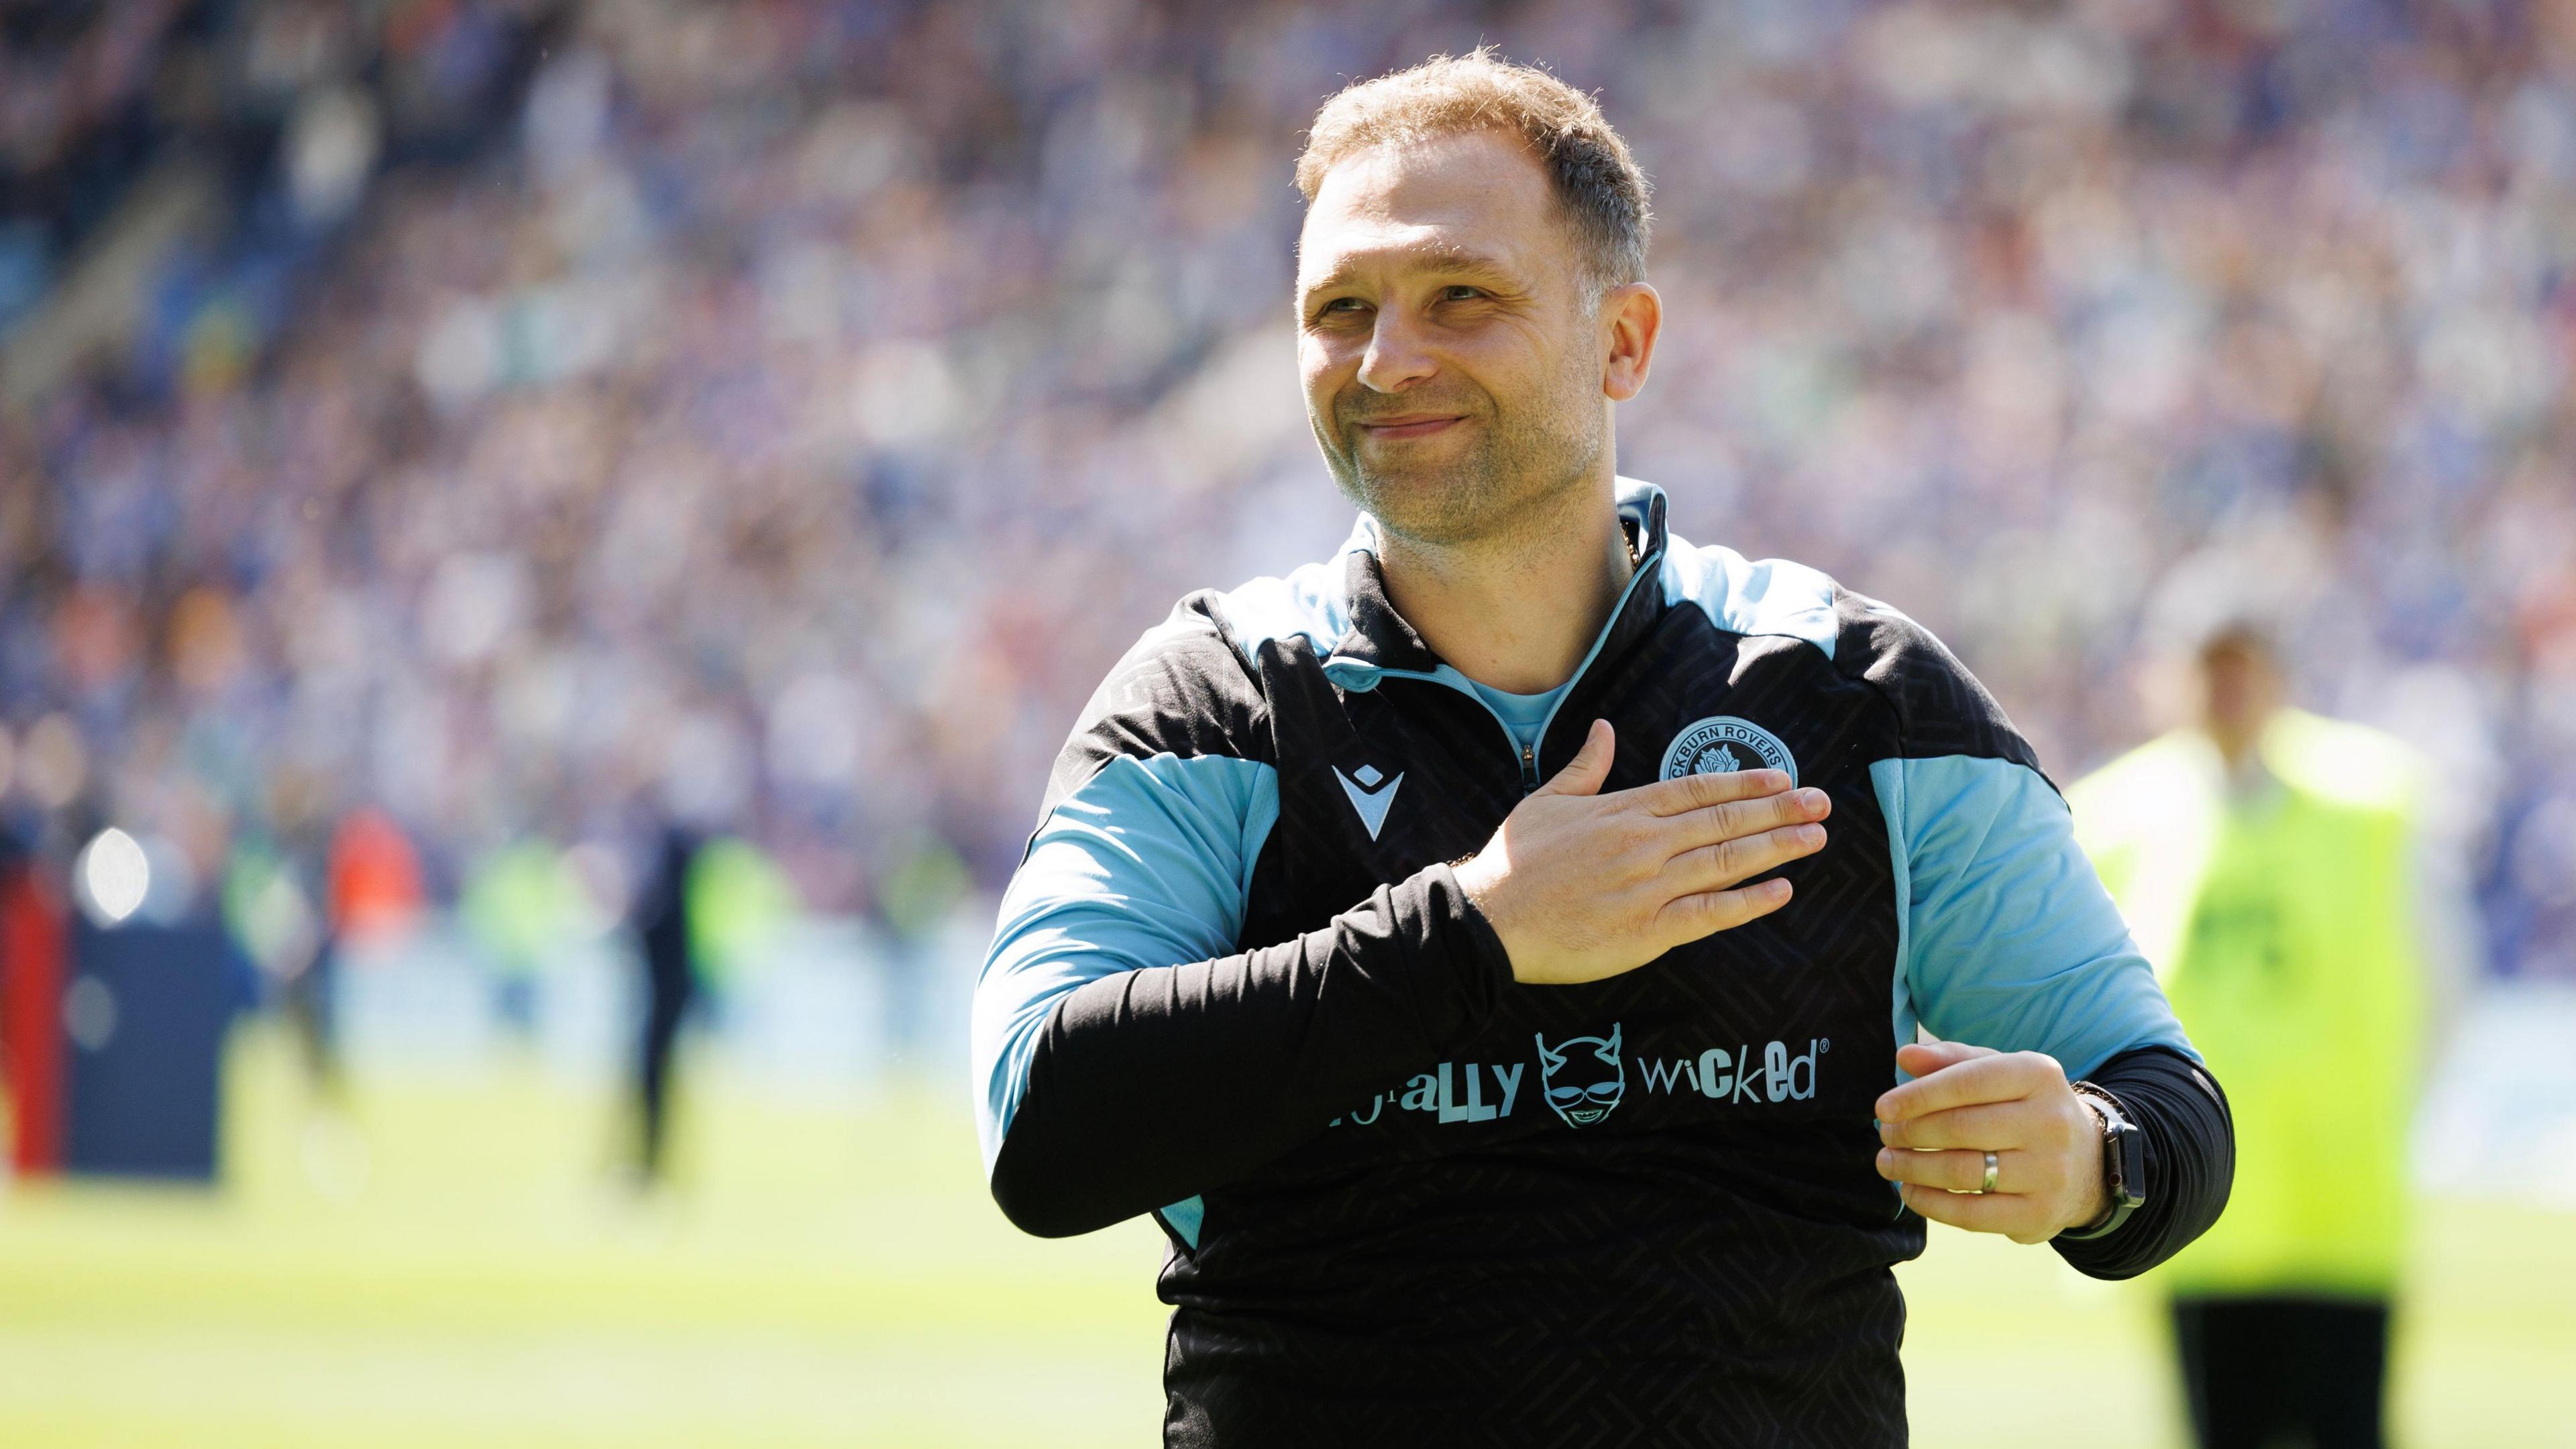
(1523, 462)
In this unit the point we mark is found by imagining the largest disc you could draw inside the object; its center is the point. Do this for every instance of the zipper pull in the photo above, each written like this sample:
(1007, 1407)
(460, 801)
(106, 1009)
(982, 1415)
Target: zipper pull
(1529, 766)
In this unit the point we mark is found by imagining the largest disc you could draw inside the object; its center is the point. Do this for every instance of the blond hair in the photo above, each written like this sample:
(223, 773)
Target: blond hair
(1598, 185)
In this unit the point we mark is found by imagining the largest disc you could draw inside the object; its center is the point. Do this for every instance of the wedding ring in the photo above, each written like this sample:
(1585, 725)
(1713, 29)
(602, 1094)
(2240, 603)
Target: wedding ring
(1988, 1185)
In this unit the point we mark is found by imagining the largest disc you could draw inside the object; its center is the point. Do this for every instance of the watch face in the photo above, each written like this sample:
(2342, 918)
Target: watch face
(2130, 1149)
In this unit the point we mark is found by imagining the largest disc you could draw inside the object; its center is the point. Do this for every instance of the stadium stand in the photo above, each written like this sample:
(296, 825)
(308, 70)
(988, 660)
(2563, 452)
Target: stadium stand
(712, 406)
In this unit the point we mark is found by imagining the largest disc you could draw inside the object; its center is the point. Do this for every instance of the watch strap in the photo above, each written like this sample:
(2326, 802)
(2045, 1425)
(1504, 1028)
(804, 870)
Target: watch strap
(2123, 1164)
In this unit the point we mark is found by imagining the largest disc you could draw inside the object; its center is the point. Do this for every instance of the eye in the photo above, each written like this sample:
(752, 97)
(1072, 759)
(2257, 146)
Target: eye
(1564, 1094)
(1460, 292)
(1341, 307)
(1604, 1089)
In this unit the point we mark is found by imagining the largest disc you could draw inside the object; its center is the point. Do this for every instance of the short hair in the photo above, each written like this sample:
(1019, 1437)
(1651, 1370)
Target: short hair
(1599, 187)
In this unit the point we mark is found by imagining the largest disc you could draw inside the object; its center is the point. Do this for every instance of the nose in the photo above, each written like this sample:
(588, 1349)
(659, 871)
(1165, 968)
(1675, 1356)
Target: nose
(1395, 358)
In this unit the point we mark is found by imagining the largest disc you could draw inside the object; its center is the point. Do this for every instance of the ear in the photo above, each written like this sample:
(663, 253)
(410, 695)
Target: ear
(1632, 317)
(1613, 1048)
(1548, 1061)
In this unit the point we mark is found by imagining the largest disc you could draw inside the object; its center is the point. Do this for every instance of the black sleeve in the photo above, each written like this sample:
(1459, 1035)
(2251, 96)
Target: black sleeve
(2190, 1156)
(1156, 1084)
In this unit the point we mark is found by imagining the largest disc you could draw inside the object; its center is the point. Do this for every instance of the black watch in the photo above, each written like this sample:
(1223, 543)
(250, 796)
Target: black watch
(2124, 1164)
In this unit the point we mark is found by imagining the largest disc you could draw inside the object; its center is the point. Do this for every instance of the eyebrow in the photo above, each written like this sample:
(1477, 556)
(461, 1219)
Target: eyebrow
(1431, 256)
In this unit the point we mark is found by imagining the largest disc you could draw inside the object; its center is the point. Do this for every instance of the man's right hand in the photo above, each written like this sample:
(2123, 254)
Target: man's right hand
(1581, 885)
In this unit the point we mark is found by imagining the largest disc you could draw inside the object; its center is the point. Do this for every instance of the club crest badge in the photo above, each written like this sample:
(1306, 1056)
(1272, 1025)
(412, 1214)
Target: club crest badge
(1724, 743)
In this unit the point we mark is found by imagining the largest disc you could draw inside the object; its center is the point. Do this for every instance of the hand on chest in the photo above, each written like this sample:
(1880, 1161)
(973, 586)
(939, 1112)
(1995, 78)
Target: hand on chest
(1742, 1022)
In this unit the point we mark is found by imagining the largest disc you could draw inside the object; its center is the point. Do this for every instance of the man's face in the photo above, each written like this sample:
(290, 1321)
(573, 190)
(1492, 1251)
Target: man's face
(1453, 369)
(2240, 689)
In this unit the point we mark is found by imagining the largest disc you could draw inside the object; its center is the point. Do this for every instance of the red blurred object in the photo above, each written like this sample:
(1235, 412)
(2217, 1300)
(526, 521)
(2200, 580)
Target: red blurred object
(31, 1015)
(375, 879)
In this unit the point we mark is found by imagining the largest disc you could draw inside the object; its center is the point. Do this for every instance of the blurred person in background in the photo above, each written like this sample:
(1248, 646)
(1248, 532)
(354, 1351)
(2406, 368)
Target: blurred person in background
(377, 898)
(711, 908)
(281, 907)
(918, 899)
(2267, 860)
(515, 899)
(668, 955)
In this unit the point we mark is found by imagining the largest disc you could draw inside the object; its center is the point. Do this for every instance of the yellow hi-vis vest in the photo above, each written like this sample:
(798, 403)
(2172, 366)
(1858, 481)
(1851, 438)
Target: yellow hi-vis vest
(2283, 929)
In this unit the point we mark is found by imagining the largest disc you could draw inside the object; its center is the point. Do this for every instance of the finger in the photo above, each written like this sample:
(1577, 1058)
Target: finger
(1698, 792)
(1987, 1128)
(1735, 819)
(1994, 1212)
(1923, 1058)
(2015, 1173)
(1715, 867)
(2001, 1078)
(1590, 766)
(1688, 918)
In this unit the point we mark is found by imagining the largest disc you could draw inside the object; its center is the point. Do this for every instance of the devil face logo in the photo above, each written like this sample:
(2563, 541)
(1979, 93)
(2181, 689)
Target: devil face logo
(1583, 1076)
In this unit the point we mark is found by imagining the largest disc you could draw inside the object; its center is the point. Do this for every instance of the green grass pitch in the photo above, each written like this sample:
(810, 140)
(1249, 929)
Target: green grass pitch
(832, 1273)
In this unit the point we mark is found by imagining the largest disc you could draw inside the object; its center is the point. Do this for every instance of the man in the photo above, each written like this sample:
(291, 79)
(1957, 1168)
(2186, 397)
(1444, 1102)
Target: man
(666, 932)
(2265, 856)
(1573, 1140)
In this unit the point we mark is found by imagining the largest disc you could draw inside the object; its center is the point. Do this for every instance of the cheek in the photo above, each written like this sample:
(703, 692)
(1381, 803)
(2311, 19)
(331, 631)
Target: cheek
(1520, 377)
(1324, 367)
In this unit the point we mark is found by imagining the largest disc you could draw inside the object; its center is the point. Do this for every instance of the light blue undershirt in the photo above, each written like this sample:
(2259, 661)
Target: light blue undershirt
(1523, 714)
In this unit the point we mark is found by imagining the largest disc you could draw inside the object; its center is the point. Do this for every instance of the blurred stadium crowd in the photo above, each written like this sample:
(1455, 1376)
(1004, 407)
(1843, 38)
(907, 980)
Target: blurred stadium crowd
(548, 420)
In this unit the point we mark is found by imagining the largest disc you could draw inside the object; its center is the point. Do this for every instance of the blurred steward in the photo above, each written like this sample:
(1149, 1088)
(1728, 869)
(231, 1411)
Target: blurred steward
(525, 902)
(2267, 860)
(919, 901)
(373, 900)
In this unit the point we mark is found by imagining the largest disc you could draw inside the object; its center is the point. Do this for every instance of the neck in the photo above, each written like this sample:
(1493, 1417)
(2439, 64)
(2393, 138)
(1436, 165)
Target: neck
(1517, 610)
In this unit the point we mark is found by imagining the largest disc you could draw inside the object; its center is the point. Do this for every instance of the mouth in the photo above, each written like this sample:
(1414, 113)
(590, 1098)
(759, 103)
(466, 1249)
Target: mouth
(1586, 1116)
(1418, 425)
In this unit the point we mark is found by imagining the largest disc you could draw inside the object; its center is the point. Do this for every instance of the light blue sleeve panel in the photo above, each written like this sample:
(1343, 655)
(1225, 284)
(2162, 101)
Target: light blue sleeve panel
(1148, 864)
(2006, 938)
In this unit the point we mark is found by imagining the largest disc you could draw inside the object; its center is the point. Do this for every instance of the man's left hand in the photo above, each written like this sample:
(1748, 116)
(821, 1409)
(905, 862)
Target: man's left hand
(1966, 1101)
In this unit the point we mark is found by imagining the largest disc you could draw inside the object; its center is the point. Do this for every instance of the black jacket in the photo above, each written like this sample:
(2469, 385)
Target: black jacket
(1413, 1202)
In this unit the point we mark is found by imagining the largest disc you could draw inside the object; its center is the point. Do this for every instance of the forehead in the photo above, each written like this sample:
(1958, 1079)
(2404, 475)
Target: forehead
(1480, 194)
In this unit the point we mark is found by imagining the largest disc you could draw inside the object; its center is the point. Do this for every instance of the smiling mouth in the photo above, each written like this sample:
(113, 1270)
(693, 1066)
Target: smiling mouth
(1398, 428)
(1586, 1116)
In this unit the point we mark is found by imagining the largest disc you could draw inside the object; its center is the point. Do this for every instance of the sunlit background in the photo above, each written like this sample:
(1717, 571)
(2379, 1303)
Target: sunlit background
(447, 444)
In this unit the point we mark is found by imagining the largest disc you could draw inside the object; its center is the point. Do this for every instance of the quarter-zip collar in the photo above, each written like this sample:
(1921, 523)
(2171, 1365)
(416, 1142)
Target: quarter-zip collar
(1379, 641)
(1379, 644)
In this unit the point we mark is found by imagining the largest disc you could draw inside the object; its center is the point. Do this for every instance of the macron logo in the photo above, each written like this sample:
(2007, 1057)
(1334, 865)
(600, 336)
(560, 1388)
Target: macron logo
(1371, 793)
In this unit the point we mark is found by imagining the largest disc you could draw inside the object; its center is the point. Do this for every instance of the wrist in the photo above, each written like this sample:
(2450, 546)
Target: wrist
(1485, 878)
(2093, 1209)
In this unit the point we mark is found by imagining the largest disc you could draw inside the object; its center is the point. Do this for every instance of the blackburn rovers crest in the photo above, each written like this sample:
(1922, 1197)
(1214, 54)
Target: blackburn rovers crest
(1724, 743)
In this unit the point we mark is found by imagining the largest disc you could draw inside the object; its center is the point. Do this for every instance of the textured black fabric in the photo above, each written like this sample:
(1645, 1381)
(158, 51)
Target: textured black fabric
(2190, 1161)
(2263, 1371)
(1405, 1237)
(1938, 706)
(1151, 1085)
(1182, 690)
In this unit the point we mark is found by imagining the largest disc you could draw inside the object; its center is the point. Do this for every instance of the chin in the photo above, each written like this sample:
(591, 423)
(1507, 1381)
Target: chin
(1431, 504)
